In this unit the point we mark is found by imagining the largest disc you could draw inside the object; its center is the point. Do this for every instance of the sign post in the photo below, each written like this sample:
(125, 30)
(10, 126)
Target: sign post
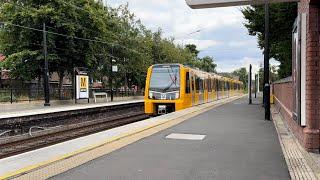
(81, 84)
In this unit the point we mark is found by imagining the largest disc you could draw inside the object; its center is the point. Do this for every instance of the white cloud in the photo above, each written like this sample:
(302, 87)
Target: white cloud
(246, 43)
(246, 61)
(230, 65)
(222, 34)
(201, 44)
(176, 18)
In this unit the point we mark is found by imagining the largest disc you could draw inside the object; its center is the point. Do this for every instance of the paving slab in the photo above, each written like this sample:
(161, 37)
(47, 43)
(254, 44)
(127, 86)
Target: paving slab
(238, 144)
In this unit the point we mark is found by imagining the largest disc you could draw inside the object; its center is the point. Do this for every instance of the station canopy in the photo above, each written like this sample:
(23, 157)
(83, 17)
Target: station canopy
(200, 4)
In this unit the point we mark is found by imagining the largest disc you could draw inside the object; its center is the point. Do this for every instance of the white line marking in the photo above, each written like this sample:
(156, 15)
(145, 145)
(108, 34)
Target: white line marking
(186, 136)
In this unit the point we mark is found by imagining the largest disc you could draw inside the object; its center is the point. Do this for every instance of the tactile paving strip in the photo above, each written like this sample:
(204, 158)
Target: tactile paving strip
(296, 162)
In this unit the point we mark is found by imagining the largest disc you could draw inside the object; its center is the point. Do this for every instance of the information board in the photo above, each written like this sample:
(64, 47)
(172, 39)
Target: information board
(82, 83)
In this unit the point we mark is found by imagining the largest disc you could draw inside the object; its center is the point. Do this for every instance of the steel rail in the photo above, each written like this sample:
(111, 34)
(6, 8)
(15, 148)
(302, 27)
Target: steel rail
(64, 133)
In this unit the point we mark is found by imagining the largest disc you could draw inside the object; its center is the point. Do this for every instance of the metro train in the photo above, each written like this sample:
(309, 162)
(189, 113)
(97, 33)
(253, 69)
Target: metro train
(173, 87)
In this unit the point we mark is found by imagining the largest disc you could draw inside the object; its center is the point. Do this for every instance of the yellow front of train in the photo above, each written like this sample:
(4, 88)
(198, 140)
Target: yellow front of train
(164, 93)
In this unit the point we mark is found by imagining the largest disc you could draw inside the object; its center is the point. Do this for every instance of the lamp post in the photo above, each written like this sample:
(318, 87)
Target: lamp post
(46, 68)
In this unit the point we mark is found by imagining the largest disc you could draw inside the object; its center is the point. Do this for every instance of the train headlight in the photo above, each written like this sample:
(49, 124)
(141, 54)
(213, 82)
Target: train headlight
(177, 95)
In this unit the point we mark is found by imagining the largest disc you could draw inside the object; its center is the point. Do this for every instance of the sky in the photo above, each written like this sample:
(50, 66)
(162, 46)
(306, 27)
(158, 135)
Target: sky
(222, 33)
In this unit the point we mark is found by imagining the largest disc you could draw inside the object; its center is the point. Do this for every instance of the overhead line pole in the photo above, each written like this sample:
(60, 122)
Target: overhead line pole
(111, 76)
(266, 64)
(46, 68)
(255, 85)
(250, 84)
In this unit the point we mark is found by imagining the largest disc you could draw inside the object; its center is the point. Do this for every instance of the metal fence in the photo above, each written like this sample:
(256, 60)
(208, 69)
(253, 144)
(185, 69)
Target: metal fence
(12, 95)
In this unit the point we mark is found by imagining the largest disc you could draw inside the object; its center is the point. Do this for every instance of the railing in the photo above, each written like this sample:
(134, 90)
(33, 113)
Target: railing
(12, 95)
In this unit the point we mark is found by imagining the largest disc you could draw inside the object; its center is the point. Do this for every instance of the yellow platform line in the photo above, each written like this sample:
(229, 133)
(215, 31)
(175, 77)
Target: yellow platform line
(104, 142)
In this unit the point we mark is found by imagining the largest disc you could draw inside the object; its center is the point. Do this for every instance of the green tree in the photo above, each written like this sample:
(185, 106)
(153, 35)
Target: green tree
(207, 64)
(193, 49)
(282, 17)
(85, 33)
(242, 73)
(23, 46)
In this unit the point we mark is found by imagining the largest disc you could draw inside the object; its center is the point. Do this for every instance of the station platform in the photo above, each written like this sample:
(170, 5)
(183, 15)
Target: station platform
(226, 139)
(20, 110)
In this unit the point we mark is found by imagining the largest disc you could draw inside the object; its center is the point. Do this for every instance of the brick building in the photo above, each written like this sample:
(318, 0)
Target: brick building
(298, 98)
(54, 77)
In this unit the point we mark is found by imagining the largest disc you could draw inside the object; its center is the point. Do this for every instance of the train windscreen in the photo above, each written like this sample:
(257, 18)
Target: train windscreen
(165, 78)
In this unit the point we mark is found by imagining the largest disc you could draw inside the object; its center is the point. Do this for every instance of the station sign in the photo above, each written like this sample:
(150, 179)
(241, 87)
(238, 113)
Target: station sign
(200, 4)
(82, 84)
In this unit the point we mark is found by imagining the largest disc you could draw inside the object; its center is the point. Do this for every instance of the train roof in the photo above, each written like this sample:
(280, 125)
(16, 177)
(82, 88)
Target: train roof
(202, 74)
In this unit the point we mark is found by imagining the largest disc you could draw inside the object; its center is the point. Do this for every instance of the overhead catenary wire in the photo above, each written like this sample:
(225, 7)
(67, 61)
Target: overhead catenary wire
(85, 39)
(72, 37)
(96, 40)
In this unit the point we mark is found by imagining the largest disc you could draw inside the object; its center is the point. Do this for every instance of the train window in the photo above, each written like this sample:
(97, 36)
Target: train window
(221, 85)
(201, 85)
(213, 85)
(209, 85)
(188, 83)
(192, 83)
(197, 84)
(217, 85)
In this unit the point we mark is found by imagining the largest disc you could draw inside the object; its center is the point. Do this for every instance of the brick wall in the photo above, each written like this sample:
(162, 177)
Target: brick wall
(284, 96)
(309, 136)
(312, 130)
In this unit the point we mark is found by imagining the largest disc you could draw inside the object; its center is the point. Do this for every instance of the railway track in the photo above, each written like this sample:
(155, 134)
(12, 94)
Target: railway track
(21, 143)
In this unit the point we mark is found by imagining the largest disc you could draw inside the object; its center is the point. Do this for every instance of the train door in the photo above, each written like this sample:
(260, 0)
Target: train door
(199, 86)
(228, 88)
(214, 89)
(217, 88)
(209, 90)
(193, 89)
(203, 91)
(206, 90)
